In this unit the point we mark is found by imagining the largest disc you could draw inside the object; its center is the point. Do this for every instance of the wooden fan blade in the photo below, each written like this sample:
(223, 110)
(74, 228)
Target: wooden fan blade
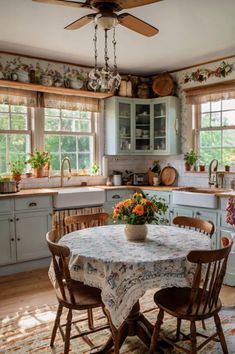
(137, 25)
(65, 3)
(128, 4)
(80, 22)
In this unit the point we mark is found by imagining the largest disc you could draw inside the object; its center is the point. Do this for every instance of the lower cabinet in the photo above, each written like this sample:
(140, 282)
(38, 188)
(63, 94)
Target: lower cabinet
(23, 231)
(166, 197)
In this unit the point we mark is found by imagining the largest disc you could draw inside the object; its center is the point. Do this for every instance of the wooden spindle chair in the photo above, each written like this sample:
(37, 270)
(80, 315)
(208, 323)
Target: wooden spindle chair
(196, 303)
(205, 227)
(73, 295)
(78, 222)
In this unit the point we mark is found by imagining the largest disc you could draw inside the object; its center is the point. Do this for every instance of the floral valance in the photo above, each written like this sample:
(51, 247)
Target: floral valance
(18, 97)
(48, 100)
(213, 92)
(51, 100)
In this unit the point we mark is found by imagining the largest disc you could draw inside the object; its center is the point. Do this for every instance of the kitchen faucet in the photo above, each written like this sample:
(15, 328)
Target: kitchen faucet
(62, 170)
(213, 179)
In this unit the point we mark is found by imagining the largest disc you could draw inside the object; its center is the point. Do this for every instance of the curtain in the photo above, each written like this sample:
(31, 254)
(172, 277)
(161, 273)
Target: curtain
(18, 97)
(213, 92)
(51, 100)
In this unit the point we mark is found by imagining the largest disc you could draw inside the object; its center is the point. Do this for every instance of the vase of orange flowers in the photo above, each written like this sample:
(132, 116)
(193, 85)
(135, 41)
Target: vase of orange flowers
(136, 212)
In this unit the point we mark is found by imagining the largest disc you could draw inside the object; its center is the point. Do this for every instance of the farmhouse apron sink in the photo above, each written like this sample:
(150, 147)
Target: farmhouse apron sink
(78, 197)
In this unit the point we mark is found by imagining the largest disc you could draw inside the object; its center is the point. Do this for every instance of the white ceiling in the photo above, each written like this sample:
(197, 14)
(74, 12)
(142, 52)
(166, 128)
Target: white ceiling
(190, 32)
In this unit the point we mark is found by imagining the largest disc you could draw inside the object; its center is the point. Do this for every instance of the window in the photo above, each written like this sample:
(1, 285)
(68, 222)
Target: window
(69, 133)
(215, 123)
(15, 134)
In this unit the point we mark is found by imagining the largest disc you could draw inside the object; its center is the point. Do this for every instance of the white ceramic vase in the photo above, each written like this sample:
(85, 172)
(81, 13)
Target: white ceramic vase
(136, 232)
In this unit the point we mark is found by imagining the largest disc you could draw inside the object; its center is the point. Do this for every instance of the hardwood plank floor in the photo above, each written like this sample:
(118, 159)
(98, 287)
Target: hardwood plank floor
(22, 290)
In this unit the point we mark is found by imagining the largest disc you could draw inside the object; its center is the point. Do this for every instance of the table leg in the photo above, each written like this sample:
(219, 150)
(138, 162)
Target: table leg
(135, 325)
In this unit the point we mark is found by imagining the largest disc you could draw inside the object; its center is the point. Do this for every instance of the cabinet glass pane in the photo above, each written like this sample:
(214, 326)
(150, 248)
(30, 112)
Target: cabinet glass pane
(124, 126)
(142, 127)
(159, 126)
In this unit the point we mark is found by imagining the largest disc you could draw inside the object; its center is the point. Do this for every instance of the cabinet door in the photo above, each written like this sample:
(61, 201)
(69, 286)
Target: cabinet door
(31, 229)
(160, 127)
(7, 240)
(143, 127)
(124, 126)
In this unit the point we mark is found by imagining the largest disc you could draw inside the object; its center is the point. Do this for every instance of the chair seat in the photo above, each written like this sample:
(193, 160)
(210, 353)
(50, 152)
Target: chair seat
(85, 296)
(175, 301)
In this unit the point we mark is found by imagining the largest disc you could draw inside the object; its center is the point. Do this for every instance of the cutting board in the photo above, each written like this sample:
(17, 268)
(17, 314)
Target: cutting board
(168, 175)
(163, 85)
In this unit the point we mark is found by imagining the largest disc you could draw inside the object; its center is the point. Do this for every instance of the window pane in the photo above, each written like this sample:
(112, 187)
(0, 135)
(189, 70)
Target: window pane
(68, 144)
(70, 114)
(216, 119)
(83, 126)
(52, 112)
(18, 122)
(73, 159)
(52, 143)
(208, 154)
(210, 139)
(229, 138)
(3, 141)
(52, 124)
(3, 163)
(205, 120)
(19, 109)
(67, 125)
(4, 108)
(216, 106)
(228, 104)
(4, 121)
(229, 156)
(84, 161)
(228, 118)
(55, 161)
(205, 107)
(84, 144)
(18, 144)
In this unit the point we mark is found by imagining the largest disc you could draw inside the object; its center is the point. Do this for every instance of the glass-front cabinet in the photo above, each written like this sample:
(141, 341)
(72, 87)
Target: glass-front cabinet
(136, 126)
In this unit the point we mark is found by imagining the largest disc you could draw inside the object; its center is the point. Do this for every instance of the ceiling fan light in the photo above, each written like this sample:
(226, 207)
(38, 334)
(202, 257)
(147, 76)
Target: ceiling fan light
(106, 21)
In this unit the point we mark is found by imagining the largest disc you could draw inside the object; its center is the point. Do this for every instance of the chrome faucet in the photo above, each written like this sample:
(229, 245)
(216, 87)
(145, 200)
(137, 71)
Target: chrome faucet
(213, 178)
(62, 170)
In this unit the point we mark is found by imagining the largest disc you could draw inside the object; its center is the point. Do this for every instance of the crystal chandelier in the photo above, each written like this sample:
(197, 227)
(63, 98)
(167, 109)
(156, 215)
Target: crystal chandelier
(105, 79)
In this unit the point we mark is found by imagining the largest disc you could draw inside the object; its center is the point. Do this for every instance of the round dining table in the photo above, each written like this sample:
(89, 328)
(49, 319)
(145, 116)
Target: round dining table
(124, 270)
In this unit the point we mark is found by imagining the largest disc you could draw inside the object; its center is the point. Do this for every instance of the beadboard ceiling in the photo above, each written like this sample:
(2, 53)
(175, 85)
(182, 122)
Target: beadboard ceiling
(190, 32)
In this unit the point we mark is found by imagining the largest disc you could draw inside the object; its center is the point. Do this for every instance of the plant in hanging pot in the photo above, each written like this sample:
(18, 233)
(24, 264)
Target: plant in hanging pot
(190, 158)
(136, 212)
(39, 161)
(17, 168)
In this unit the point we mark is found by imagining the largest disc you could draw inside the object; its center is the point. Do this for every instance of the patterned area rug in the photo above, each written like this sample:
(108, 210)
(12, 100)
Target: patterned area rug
(29, 332)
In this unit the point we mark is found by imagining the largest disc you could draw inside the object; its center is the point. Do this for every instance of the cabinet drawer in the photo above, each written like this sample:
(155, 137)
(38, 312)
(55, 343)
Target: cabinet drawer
(5, 205)
(223, 203)
(118, 194)
(33, 203)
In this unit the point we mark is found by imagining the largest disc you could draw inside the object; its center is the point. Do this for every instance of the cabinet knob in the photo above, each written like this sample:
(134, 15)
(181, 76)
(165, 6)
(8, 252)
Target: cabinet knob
(18, 239)
(12, 239)
(11, 220)
(17, 219)
(172, 211)
(198, 213)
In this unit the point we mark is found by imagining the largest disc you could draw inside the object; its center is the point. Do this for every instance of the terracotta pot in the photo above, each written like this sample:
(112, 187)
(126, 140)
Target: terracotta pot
(188, 167)
(39, 172)
(136, 232)
(16, 177)
(202, 168)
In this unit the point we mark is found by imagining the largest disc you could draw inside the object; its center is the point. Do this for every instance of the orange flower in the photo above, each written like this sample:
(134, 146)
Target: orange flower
(127, 202)
(139, 210)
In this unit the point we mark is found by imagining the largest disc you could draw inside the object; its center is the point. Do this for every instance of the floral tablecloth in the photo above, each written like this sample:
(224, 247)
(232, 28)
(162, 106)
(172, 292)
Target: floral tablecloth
(124, 270)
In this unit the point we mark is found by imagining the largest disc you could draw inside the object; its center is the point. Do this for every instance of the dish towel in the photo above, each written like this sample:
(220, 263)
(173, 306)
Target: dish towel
(230, 211)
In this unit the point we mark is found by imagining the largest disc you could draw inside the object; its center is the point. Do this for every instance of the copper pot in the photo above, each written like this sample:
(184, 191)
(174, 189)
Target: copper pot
(9, 187)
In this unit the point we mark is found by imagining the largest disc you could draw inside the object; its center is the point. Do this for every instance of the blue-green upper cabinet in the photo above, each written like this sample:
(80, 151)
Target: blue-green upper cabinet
(142, 126)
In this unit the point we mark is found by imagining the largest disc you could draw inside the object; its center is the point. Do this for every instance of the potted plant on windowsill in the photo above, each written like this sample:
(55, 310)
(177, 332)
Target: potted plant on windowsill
(39, 161)
(190, 158)
(17, 167)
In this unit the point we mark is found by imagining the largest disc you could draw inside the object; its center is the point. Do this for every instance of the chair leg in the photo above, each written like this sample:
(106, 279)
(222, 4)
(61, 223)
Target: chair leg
(156, 331)
(220, 334)
(193, 337)
(56, 324)
(178, 329)
(90, 319)
(114, 331)
(204, 325)
(67, 332)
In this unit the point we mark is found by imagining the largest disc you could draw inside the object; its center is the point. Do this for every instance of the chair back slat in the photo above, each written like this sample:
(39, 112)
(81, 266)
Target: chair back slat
(78, 222)
(60, 257)
(208, 278)
(205, 227)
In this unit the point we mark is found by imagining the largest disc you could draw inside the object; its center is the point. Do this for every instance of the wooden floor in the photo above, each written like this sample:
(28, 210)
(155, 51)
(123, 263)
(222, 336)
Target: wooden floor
(22, 290)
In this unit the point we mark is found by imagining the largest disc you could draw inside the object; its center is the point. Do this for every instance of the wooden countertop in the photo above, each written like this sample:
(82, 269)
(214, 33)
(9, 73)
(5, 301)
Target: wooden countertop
(226, 194)
(151, 188)
(29, 193)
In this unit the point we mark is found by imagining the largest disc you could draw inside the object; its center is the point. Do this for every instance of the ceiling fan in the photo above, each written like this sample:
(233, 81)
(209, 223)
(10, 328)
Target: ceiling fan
(106, 16)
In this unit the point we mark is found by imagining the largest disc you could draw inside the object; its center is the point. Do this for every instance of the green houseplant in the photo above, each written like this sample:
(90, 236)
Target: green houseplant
(17, 168)
(190, 158)
(39, 161)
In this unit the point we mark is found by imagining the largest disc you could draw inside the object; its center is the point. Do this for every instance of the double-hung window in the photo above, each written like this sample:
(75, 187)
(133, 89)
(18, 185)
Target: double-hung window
(70, 133)
(15, 134)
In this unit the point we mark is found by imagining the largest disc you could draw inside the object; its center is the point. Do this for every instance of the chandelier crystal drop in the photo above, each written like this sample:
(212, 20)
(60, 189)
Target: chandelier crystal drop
(105, 79)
